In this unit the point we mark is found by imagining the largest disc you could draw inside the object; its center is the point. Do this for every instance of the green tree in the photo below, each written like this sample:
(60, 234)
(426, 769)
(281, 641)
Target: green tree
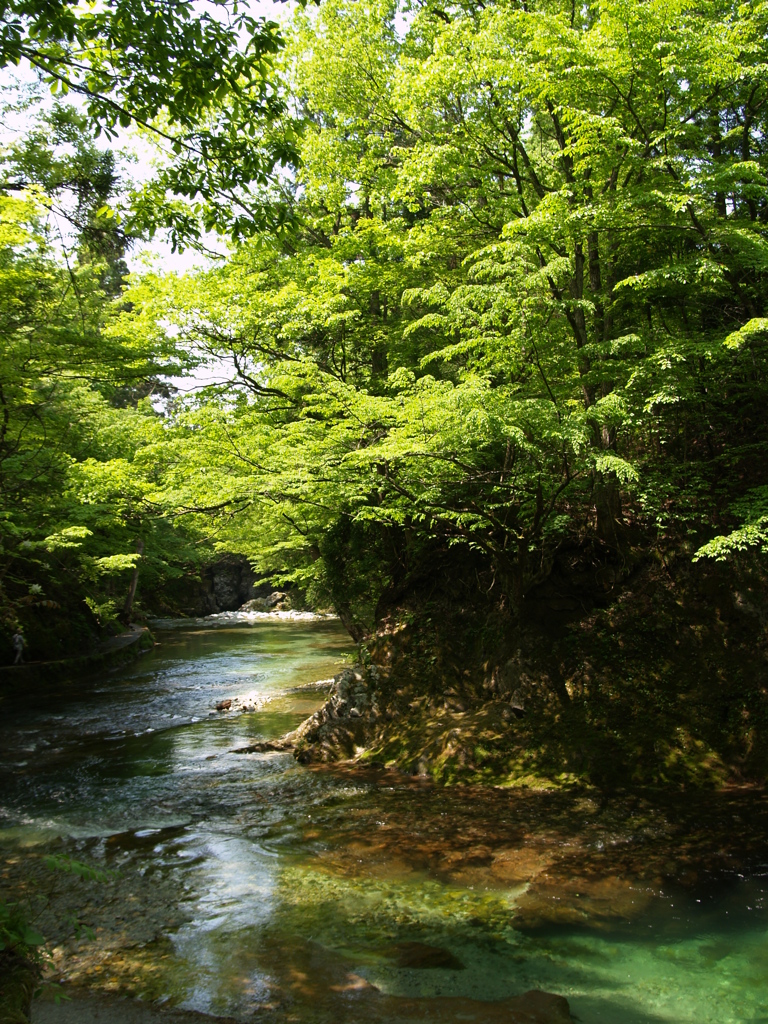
(523, 304)
(197, 76)
(63, 385)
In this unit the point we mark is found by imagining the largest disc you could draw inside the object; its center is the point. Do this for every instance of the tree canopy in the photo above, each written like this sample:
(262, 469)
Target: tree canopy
(196, 76)
(508, 295)
(523, 302)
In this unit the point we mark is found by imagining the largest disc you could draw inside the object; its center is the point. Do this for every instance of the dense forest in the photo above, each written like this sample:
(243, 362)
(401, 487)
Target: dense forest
(483, 368)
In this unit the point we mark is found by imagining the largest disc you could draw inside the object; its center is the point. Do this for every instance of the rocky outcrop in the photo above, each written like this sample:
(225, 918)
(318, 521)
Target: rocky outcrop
(344, 724)
(228, 584)
(651, 674)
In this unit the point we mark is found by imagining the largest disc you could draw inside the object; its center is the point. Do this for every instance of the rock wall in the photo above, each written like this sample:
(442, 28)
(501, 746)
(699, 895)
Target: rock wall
(345, 723)
(222, 586)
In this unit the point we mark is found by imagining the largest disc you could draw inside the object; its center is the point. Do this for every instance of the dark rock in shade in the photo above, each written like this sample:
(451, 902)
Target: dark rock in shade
(223, 586)
(264, 746)
(420, 956)
(231, 583)
(18, 981)
(226, 585)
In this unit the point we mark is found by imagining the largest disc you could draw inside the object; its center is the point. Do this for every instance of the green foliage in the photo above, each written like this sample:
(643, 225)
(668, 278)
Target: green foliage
(58, 161)
(16, 934)
(197, 76)
(69, 866)
(72, 504)
(522, 306)
(752, 511)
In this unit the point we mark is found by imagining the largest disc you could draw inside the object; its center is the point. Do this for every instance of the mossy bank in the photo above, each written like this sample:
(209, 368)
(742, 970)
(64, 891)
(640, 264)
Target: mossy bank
(612, 676)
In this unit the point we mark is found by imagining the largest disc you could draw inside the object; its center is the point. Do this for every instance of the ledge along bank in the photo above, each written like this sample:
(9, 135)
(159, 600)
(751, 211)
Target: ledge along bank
(109, 656)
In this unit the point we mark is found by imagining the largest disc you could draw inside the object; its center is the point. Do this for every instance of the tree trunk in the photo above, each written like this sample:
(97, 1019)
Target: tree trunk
(128, 606)
(379, 360)
(610, 522)
(348, 621)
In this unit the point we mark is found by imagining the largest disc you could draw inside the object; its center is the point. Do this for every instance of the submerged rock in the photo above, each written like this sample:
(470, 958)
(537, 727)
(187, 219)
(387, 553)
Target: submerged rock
(537, 1007)
(420, 956)
(244, 703)
(264, 746)
(595, 900)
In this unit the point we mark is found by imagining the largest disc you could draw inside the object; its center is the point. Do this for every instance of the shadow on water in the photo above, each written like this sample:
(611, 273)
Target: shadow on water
(247, 882)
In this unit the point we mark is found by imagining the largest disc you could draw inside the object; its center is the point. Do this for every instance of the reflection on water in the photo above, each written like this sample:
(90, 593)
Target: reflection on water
(248, 881)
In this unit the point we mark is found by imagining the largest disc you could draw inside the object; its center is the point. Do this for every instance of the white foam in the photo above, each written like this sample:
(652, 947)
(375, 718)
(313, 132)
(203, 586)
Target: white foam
(234, 617)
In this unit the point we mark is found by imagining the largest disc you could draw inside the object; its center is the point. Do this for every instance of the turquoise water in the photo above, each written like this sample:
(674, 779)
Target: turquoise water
(299, 886)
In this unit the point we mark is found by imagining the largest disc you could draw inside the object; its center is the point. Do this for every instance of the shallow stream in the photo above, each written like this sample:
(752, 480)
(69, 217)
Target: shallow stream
(246, 882)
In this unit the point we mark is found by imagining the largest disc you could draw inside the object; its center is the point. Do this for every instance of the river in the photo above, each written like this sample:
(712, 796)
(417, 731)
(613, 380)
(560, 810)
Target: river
(240, 883)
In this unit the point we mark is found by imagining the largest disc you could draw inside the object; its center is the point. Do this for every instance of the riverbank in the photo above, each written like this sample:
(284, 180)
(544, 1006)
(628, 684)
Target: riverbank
(653, 677)
(112, 654)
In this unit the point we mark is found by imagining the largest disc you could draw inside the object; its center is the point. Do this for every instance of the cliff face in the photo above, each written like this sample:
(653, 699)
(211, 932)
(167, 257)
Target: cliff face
(221, 586)
(607, 676)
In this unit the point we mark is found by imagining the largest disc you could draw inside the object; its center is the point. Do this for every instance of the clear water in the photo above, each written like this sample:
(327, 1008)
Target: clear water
(299, 885)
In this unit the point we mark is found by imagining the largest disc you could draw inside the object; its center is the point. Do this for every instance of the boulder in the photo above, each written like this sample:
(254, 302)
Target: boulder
(341, 724)
(277, 601)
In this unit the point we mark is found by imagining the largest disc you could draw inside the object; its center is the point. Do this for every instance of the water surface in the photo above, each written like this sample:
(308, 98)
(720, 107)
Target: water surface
(344, 894)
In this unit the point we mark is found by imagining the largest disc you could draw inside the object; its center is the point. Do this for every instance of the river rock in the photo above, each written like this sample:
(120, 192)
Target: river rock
(264, 746)
(537, 1007)
(277, 601)
(585, 900)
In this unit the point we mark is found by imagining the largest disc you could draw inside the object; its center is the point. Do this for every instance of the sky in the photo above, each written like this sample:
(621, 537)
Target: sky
(158, 252)
(138, 166)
